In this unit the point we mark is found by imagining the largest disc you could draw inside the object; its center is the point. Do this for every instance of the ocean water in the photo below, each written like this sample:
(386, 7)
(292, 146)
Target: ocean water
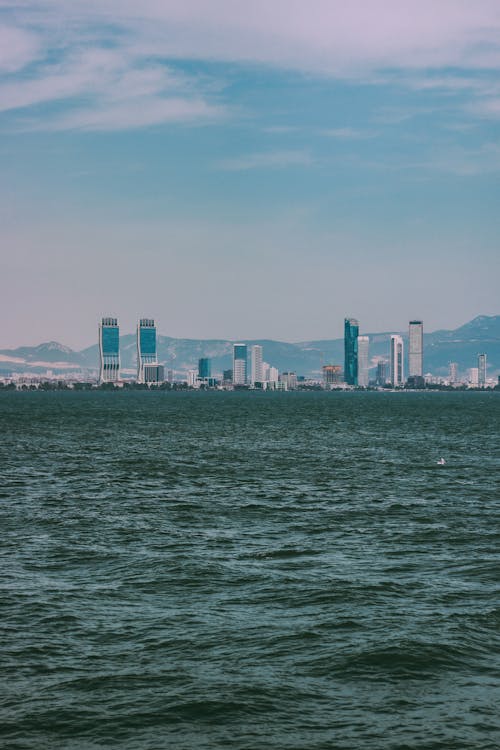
(249, 570)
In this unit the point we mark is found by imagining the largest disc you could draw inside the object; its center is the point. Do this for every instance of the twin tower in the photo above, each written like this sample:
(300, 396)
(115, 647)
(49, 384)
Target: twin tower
(148, 369)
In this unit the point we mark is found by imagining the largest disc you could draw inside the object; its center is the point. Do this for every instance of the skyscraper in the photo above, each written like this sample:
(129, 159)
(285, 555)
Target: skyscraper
(204, 368)
(351, 331)
(148, 370)
(416, 348)
(363, 360)
(257, 374)
(397, 353)
(290, 380)
(481, 370)
(453, 372)
(381, 372)
(473, 376)
(109, 350)
(239, 364)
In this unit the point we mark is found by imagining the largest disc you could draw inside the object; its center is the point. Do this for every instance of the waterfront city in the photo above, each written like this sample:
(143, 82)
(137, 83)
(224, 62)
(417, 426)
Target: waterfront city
(402, 368)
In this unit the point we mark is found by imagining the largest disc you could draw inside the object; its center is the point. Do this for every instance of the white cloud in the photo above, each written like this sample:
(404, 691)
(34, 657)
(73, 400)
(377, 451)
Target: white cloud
(267, 160)
(449, 159)
(110, 50)
(347, 133)
(108, 90)
(18, 47)
(487, 108)
(280, 129)
(141, 113)
(329, 36)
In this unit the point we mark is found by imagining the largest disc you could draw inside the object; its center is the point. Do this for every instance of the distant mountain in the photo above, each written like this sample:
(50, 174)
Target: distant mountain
(183, 354)
(38, 359)
(461, 345)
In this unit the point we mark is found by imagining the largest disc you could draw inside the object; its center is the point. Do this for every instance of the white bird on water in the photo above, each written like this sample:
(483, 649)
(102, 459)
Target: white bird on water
(441, 462)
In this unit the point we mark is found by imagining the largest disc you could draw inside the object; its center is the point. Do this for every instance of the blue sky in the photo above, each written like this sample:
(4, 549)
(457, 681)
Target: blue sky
(247, 170)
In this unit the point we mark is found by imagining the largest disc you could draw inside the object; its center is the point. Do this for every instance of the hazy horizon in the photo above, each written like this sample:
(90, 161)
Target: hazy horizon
(235, 171)
(163, 334)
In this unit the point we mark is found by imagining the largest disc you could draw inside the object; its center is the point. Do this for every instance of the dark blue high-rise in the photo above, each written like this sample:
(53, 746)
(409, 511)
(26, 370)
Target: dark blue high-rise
(204, 367)
(351, 332)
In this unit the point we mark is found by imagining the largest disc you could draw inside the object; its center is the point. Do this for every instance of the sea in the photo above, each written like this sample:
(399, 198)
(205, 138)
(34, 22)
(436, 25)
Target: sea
(249, 570)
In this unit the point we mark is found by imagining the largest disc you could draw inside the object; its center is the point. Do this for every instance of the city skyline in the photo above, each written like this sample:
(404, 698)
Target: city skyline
(388, 361)
(184, 158)
(481, 327)
(249, 369)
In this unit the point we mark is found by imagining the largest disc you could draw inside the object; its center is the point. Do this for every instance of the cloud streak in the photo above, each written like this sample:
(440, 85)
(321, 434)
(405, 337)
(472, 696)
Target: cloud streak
(105, 89)
(328, 36)
(348, 133)
(18, 47)
(267, 160)
(125, 56)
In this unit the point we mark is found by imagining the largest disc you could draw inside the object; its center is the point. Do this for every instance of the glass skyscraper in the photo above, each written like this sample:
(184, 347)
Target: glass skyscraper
(351, 332)
(204, 368)
(381, 372)
(109, 350)
(148, 370)
(239, 364)
(416, 349)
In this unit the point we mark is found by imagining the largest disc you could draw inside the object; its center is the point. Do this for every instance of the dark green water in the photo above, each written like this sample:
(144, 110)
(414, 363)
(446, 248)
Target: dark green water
(252, 571)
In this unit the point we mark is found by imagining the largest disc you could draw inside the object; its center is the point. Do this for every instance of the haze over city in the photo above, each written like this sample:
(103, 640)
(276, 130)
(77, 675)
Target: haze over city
(247, 171)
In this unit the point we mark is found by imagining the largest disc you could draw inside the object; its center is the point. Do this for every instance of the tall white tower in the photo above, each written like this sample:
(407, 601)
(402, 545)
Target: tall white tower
(397, 354)
(416, 348)
(257, 372)
(453, 370)
(363, 360)
(481, 370)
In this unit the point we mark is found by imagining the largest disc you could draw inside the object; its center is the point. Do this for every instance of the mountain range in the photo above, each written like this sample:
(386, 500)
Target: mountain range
(461, 345)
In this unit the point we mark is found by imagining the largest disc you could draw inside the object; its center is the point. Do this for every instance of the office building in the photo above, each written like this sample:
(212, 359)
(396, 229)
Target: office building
(239, 364)
(416, 348)
(382, 372)
(453, 373)
(351, 332)
(332, 375)
(274, 375)
(204, 368)
(109, 350)
(153, 374)
(397, 355)
(363, 361)
(473, 377)
(192, 378)
(270, 375)
(257, 371)
(290, 380)
(148, 370)
(481, 368)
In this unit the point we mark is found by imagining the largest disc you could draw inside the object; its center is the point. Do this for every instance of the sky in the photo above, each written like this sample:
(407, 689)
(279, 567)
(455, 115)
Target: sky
(247, 170)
